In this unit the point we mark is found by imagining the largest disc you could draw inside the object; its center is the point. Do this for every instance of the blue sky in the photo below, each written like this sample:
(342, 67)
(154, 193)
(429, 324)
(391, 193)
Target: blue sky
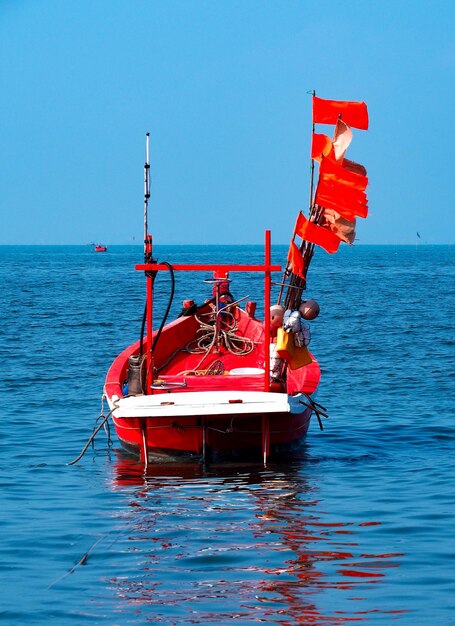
(222, 88)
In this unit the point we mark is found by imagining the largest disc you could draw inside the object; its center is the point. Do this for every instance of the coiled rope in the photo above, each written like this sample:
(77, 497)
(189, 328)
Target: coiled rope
(210, 334)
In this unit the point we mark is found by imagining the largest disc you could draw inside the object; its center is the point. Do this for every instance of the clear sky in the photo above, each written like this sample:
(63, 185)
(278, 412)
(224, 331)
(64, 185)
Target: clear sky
(221, 85)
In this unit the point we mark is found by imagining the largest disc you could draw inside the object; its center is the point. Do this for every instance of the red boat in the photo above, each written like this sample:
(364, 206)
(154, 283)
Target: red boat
(202, 388)
(218, 383)
(100, 248)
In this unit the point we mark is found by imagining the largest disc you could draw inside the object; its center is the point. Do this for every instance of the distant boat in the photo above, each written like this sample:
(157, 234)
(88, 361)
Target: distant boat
(100, 248)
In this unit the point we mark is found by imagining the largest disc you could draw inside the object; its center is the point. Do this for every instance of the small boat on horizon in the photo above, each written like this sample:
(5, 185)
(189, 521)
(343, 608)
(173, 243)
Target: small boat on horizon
(98, 247)
(218, 383)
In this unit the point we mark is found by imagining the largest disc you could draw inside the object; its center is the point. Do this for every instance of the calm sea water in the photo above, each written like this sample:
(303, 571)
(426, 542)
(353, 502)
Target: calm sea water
(357, 527)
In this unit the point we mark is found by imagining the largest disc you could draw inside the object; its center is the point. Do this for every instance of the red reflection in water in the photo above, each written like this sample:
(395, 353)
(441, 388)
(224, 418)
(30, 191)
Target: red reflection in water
(359, 574)
(287, 518)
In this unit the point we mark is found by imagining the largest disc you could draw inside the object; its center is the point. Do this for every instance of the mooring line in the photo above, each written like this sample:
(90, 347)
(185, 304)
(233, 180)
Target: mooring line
(82, 561)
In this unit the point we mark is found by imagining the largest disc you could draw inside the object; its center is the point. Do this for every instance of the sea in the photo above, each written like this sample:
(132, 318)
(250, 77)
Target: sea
(355, 526)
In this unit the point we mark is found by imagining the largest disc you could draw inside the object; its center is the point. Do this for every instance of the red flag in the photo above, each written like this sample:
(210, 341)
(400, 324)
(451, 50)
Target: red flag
(340, 192)
(318, 235)
(329, 111)
(330, 171)
(326, 203)
(295, 258)
(321, 145)
(347, 209)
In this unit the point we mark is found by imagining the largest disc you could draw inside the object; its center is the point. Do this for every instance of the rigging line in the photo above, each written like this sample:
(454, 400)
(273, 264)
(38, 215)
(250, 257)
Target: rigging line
(285, 285)
(169, 304)
(163, 321)
(141, 338)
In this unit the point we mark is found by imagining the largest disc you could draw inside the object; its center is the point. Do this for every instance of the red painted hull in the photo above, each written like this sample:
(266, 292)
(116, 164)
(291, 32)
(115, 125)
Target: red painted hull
(190, 421)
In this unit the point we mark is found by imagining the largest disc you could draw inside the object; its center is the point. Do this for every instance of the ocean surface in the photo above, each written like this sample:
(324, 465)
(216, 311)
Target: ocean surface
(358, 526)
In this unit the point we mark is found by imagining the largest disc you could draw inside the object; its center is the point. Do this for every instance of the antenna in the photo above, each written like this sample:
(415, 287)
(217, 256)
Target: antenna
(146, 192)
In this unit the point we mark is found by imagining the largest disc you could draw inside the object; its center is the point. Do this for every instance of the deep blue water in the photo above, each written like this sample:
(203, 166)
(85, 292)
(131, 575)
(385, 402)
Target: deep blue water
(357, 527)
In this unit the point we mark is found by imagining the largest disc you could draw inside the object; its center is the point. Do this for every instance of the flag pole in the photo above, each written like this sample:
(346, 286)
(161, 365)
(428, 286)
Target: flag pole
(297, 284)
(313, 128)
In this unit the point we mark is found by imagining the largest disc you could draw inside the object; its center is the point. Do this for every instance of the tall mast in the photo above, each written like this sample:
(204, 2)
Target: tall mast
(146, 195)
(313, 93)
(296, 284)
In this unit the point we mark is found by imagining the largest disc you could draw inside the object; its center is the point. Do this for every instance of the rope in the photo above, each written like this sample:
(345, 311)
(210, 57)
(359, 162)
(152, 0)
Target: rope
(209, 334)
(316, 408)
(215, 369)
(158, 369)
(96, 430)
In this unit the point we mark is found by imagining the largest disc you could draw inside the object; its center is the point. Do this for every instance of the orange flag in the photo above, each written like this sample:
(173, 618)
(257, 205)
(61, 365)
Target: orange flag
(329, 111)
(295, 258)
(318, 235)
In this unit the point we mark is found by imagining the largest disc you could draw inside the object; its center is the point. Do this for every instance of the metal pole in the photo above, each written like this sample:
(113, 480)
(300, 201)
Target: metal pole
(146, 190)
(149, 276)
(312, 160)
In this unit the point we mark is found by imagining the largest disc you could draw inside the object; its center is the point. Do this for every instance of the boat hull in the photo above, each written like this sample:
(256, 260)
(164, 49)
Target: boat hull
(210, 425)
(234, 414)
(204, 438)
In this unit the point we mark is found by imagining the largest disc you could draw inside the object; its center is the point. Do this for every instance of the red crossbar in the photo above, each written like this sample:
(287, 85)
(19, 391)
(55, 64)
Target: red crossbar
(153, 267)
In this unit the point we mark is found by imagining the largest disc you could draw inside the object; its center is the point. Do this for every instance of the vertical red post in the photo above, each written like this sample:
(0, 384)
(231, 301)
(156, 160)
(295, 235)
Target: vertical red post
(149, 317)
(265, 438)
(267, 285)
(149, 377)
(143, 446)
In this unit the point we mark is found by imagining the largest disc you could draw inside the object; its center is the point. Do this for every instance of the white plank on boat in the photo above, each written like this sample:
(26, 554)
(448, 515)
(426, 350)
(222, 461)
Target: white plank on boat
(202, 403)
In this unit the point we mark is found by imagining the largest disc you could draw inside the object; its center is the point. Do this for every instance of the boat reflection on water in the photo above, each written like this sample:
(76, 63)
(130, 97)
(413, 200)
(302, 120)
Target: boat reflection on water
(244, 541)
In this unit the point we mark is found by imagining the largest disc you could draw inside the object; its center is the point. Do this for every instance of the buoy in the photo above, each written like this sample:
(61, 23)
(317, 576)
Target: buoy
(276, 316)
(309, 309)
